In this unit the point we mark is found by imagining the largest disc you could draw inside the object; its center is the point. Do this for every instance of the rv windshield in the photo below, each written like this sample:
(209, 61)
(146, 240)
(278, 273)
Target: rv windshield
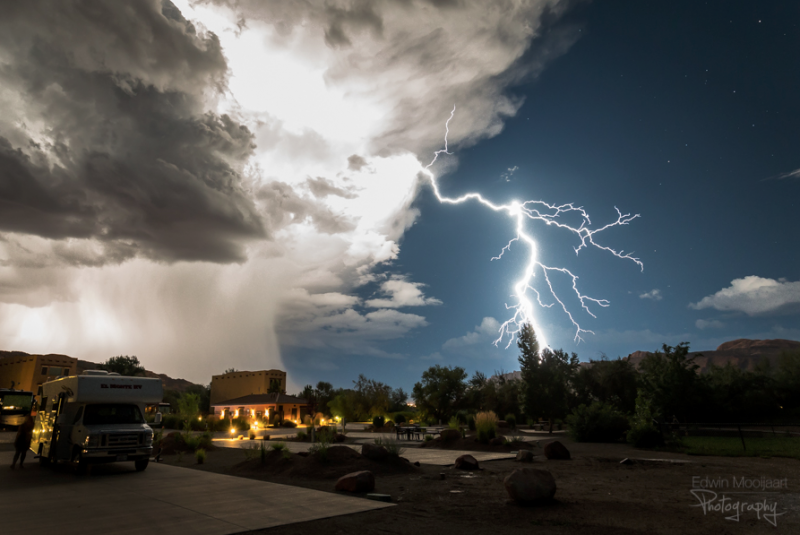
(112, 414)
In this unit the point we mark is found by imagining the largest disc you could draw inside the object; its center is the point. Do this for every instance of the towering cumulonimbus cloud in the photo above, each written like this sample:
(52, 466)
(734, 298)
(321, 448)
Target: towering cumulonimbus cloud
(204, 182)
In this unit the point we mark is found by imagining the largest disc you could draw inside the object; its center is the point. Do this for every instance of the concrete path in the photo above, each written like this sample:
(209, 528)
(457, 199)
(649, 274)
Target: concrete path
(163, 499)
(414, 454)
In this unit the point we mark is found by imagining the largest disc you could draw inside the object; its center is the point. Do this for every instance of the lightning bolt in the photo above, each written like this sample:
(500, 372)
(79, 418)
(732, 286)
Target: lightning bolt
(550, 214)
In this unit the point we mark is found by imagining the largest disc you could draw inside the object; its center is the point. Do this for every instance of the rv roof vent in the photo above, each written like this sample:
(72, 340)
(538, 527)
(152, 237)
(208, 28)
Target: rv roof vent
(113, 373)
(95, 372)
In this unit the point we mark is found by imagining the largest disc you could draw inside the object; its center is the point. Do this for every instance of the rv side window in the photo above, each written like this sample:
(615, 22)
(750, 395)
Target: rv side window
(78, 416)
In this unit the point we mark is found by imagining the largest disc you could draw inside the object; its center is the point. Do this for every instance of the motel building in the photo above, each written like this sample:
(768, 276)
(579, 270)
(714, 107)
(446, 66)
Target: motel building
(274, 408)
(257, 396)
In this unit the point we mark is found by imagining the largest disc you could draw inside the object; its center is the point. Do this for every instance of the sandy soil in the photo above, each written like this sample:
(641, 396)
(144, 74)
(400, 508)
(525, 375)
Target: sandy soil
(596, 494)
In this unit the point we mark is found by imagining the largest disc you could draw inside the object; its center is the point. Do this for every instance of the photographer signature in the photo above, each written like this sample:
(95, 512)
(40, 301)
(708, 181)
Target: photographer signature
(712, 503)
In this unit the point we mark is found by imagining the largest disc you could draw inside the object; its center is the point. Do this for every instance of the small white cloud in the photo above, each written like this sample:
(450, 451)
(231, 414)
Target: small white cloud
(654, 294)
(782, 176)
(487, 331)
(753, 295)
(509, 173)
(402, 293)
(708, 324)
(432, 356)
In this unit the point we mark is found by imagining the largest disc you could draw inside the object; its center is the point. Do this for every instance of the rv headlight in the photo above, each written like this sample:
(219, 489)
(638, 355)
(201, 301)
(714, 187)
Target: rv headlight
(148, 438)
(92, 441)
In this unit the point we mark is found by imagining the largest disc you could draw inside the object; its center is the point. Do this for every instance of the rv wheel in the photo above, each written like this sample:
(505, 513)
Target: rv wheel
(83, 466)
(141, 464)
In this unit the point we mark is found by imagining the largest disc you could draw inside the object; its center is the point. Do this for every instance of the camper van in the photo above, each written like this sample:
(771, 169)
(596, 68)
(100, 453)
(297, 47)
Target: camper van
(94, 418)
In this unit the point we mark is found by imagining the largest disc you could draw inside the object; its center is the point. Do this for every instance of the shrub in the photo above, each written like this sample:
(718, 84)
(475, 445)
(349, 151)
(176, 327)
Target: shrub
(286, 454)
(471, 422)
(598, 422)
(263, 450)
(278, 446)
(320, 448)
(486, 426)
(301, 435)
(172, 421)
(389, 424)
(195, 442)
(200, 455)
(453, 423)
(428, 438)
(643, 433)
(399, 419)
(391, 445)
(307, 419)
(511, 420)
(289, 424)
(645, 436)
(462, 417)
(378, 422)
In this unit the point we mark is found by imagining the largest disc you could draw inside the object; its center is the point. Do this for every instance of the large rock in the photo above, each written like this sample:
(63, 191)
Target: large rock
(524, 456)
(529, 485)
(374, 452)
(362, 481)
(449, 435)
(467, 462)
(556, 451)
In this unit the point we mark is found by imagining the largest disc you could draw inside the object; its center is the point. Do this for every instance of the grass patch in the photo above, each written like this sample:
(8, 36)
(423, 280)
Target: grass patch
(732, 446)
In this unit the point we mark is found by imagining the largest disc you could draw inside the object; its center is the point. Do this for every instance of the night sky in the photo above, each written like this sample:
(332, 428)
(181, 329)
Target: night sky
(240, 184)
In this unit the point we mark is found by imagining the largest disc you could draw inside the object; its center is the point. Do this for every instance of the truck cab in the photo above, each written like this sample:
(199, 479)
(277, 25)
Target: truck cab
(97, 417)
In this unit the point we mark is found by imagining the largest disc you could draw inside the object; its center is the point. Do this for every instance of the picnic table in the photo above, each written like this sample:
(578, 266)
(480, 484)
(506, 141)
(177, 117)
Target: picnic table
(417, 431)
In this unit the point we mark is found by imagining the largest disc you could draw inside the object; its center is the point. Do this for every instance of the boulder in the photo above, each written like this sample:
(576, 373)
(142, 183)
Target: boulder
(524, 456)
(529, 485)
(497, 441)
(502, 424)
(362, 481)
(556, 451)
(339, 437)
(449, 435)
(374, 452)
(467, 462)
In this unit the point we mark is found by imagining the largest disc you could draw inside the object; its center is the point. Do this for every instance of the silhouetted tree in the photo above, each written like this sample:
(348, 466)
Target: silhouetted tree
(124, 365)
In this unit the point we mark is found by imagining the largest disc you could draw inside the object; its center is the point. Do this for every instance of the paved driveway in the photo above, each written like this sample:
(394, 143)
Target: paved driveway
(163, 499)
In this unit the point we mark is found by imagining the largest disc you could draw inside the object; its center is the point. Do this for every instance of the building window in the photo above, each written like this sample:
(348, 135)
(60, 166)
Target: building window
(54, 370)
(44, 370)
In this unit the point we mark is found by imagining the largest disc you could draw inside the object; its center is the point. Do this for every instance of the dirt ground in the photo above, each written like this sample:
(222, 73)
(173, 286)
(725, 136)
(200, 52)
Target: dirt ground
(596, 494)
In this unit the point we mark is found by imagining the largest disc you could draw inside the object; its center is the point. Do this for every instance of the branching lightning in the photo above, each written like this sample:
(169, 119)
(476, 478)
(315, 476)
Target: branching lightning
(549, 214)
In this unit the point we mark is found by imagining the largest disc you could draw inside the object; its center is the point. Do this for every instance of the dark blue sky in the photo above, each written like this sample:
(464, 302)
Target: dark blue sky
(683, 112)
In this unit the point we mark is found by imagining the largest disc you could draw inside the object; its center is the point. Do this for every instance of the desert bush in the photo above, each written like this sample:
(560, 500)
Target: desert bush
(301, 435)
(462, 417)
(320, 447)
(286, 454)
(511, 420)
(195, 442)
(288, 424)
(454, 423)
(486, 426)
(391, 445)
(598, 422)
(399, 419)
(200, 455)
(428, 438)
(378, 421)
(471, 422)
(388, 424)
(643, 432)
(277, 446)
(172, 421)
(307, 419)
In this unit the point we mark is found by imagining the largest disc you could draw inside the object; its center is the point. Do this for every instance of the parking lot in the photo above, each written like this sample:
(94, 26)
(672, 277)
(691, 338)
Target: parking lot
(115, 498)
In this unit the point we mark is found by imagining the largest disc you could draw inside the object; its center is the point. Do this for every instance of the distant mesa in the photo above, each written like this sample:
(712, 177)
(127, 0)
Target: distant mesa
(743, 353)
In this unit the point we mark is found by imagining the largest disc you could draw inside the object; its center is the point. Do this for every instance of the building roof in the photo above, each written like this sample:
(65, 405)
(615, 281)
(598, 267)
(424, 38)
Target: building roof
(262, 399)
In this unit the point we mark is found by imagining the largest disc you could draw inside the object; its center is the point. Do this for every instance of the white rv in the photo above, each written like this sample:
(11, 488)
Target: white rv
(95, 417)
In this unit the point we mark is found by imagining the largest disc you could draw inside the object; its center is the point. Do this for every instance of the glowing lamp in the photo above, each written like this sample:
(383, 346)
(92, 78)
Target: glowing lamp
(233, 430)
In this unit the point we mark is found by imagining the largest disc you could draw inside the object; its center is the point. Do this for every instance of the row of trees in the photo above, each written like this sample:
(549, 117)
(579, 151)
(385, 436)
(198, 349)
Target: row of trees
(666, 386)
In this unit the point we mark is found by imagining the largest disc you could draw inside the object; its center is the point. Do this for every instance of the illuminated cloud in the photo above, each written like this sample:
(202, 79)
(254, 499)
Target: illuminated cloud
(482, 334)
(754, 295)
(202, 183)
(654, 294)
